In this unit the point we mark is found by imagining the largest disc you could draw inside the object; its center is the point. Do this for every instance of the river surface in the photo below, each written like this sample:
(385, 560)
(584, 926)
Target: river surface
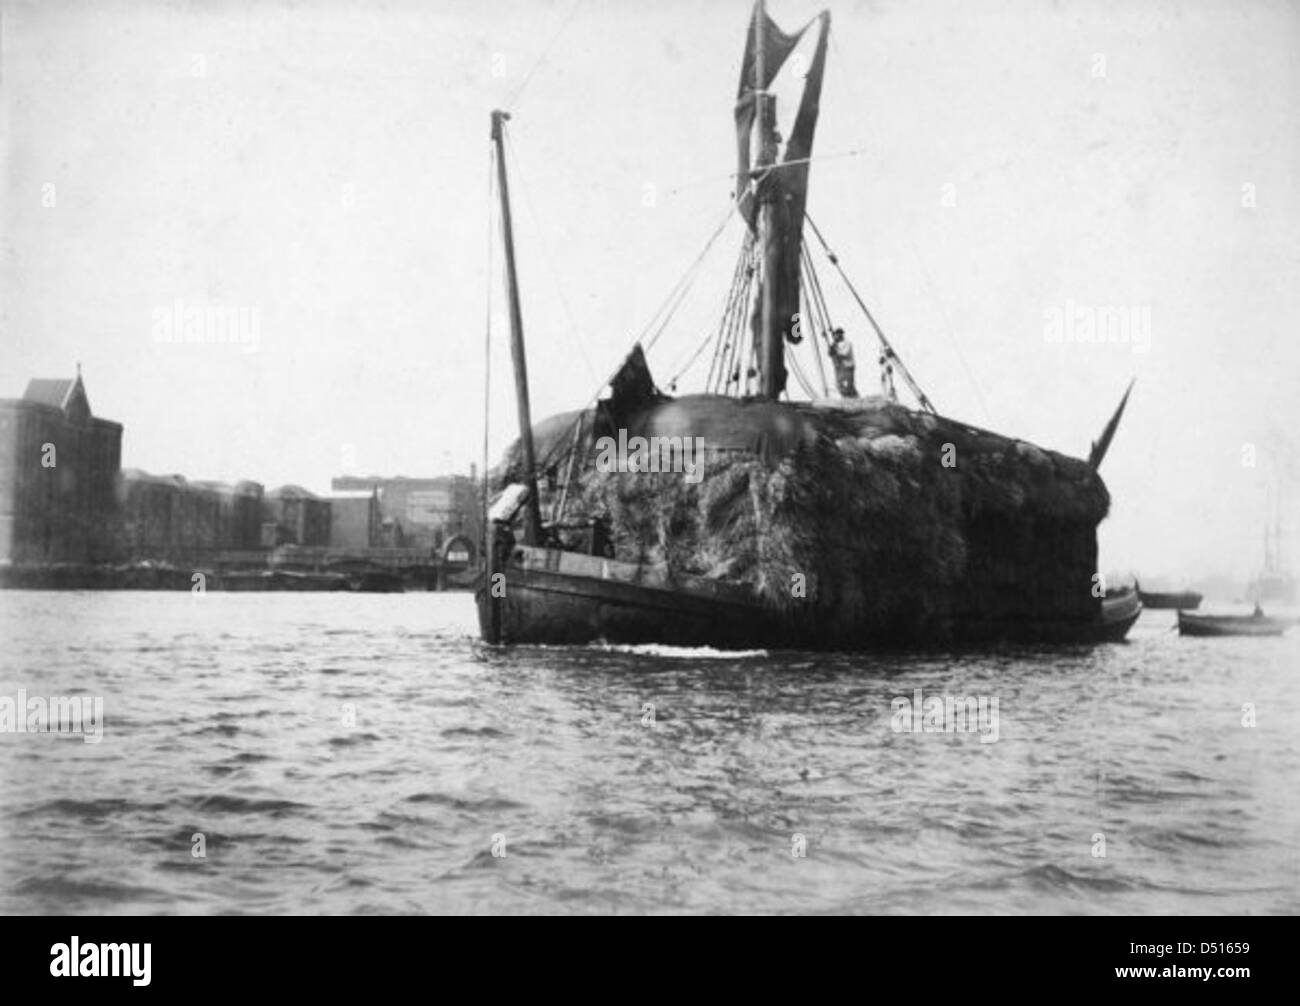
(341, 753)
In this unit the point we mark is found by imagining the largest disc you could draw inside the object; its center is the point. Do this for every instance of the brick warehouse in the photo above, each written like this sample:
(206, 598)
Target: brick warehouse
(58, 475)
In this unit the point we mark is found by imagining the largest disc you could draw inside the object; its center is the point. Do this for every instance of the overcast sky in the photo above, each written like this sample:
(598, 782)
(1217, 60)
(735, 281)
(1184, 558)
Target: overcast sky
(987, 165)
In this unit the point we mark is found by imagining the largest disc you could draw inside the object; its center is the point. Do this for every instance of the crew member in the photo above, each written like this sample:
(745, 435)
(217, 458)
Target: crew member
(887, 375)
(841, 354)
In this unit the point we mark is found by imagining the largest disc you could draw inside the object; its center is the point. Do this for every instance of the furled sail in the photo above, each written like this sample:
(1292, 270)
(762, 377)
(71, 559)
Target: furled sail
(785, 183)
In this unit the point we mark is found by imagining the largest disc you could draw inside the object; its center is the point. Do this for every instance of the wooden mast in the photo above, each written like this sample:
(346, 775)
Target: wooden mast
(532, 513)
(771, 348)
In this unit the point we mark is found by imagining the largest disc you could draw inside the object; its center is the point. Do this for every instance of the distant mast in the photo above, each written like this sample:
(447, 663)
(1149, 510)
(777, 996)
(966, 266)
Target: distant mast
(533, 512)
(1273, 525)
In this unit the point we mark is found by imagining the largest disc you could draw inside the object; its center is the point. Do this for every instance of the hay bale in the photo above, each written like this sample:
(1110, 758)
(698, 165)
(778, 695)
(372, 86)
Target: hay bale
(895, 543)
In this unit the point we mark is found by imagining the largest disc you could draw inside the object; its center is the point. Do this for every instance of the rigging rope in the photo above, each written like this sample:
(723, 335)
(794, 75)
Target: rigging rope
(724, 323)
(734, 350)
(737, 298)
(743, 348)
(947, 327)
(672, 382)
(732, 176)
(512, 103)
(686, 279)
(548, 257)
(557, 514)
(682, 287)
(820, 321)
(921, 397)
(797, 371)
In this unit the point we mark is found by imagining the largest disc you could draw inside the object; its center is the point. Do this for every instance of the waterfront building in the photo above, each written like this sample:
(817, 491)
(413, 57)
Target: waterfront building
(58, 469)
(238, 514)
(354, 519)
(420, 512)
(299, 517)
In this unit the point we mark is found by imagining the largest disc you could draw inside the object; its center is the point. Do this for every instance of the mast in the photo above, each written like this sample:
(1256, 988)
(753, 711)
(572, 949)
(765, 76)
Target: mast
(532, 513)
(771, 347)
(1272, 520)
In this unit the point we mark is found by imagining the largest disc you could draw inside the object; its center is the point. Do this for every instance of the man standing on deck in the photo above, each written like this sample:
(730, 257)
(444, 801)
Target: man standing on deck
(841, 354)
(887, 374)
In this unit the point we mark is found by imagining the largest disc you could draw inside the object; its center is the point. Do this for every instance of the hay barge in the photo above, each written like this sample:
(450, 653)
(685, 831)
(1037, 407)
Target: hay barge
(831, 524)
(741, 517)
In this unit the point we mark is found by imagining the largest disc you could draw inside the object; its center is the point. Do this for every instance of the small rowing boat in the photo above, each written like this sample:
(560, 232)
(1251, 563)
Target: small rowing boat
(1257, 624)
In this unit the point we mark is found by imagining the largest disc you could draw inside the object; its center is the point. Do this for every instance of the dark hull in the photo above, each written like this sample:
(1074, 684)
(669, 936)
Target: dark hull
(278, 580)
(1232, 625)
(556, 598)
(96, 577)
(377, 583)
(1188, 600)
(554, 607)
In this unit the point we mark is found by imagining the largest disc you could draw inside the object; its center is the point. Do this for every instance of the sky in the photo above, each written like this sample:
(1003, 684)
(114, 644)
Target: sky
(992, 174)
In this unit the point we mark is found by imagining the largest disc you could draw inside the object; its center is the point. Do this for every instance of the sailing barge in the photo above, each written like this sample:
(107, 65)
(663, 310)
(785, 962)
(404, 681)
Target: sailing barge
(843, 522)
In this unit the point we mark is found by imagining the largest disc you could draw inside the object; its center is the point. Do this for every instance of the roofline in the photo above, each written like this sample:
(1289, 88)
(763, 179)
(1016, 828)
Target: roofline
(20, 404)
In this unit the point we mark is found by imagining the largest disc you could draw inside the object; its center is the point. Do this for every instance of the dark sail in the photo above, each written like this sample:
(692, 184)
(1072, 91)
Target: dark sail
(777, 49)
(785, 185)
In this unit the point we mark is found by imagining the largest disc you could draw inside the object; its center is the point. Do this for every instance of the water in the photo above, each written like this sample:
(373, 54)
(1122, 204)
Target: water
(633, 780)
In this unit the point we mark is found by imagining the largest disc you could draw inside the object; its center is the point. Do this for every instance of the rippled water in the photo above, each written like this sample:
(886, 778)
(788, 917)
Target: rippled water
(629, 780)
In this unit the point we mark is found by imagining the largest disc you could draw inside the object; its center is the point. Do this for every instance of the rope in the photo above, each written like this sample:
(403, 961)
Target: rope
(797, 370)
(557, 514)
(554, 452)
(828, 325)
(736, 335)
(740, 330)
(727, 324)
(678, 293)
(819, 296)
(921, 397)
(547, 257)
(947, 327)
(672, 382)
(732, 176)
(682, 286)
(724, 323)
(743, 344)
(820, 321)
(722, 352)
(514, 97)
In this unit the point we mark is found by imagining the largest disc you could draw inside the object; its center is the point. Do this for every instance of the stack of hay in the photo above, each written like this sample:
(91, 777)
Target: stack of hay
(850, 518)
